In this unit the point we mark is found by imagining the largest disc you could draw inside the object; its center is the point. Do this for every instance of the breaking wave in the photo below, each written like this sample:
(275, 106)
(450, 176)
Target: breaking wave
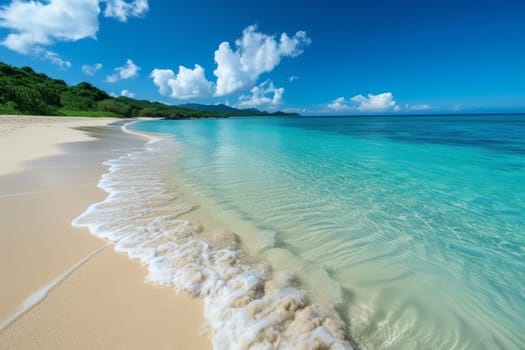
(248, 305)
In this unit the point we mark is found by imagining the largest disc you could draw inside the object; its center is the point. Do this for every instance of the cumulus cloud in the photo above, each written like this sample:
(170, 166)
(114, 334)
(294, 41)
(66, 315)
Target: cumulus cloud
(372, 103)
(255, 53)
(238, 68)
(35, 24)
(340, 104)
(122, 10)
(91, 70)
(376, 103)
(188, 83)
(127, 71)
(127, 93)
(162, 78)
(263, 95)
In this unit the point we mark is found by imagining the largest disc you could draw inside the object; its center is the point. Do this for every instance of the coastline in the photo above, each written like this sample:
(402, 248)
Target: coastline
(49, 178)
(185, 245)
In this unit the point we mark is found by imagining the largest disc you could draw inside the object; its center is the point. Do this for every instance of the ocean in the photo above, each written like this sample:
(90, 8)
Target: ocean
(379, 232)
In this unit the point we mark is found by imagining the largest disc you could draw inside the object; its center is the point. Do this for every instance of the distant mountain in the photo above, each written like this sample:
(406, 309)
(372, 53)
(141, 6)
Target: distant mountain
(222, 109)
(23, 91)
(219, 109)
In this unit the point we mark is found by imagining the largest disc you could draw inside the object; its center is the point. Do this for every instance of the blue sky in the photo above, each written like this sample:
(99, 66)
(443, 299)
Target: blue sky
(342, 57)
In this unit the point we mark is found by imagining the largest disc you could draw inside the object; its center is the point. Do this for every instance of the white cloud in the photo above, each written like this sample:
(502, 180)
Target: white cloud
(127, 93)
(340, 104)
(121, 9)
(255, 53)
(91, 70)
(263, 95)
(376, 103)
(188, 83)
(237, 69)
(162, 78)
(373, 103)
(457, 107)
(293, 78)
(35, 24)
(417, 108)
(127, 71)
(53, 57)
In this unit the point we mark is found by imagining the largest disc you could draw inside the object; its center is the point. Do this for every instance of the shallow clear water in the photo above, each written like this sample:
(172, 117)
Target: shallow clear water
(413, 227)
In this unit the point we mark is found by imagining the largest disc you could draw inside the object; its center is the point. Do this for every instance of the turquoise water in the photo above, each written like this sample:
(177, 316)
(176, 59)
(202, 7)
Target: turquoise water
(413, 227)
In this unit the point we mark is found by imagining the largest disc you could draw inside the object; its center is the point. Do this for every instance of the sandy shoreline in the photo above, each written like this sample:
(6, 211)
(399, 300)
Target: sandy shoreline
(47, 178)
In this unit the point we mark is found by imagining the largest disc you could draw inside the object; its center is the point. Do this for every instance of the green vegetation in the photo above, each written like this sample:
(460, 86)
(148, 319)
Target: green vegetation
(23, 91)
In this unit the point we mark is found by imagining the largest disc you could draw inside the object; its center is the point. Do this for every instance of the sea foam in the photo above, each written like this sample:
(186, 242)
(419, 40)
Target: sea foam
(247, 304)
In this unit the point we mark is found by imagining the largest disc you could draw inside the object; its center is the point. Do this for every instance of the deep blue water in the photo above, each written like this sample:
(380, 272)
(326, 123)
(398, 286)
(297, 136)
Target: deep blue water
(414, 226)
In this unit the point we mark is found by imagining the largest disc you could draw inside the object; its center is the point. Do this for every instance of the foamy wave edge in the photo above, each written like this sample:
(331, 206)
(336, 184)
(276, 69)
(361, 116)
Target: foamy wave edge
(247, 306)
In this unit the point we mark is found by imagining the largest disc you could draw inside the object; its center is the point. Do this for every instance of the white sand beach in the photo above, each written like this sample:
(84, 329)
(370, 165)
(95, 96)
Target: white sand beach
(49, 170)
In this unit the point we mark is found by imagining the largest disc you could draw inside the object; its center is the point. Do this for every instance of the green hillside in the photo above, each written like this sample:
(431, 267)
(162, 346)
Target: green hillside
(23, 91)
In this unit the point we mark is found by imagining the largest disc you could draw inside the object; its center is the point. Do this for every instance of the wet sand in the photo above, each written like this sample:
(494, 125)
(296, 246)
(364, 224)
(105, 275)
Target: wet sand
(48, 176)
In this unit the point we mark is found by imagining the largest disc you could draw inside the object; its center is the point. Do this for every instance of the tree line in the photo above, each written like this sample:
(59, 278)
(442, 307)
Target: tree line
(23, 91)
